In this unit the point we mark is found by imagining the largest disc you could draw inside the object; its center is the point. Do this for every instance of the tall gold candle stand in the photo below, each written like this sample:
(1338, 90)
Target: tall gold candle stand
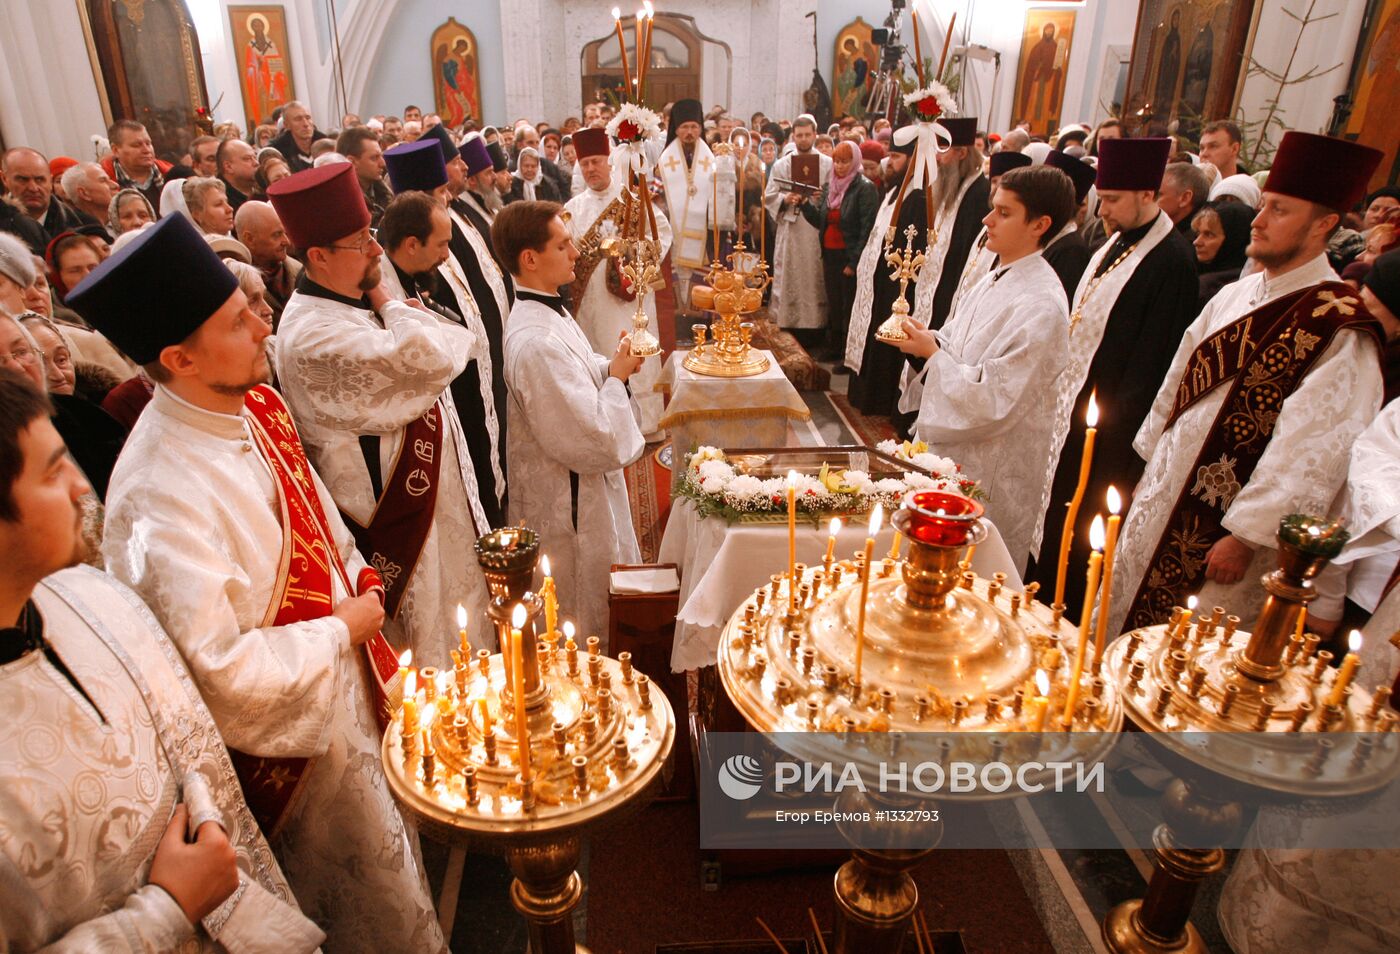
(944, 651)
(599, 743)
(1265, 696)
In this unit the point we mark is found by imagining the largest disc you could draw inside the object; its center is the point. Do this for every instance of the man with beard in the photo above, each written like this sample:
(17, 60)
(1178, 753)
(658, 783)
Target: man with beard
(685, 169)
(218, 521)
(1261, 406)
(444, 285)
(603, 298)
(368, 381)
(960, 200)
(1135, 298)
(799, 295)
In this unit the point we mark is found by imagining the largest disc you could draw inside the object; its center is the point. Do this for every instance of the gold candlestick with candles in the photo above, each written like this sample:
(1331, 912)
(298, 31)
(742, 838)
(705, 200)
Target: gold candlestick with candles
(876, 515)
(1096, 540)
(1091, 420)
(1115, 504)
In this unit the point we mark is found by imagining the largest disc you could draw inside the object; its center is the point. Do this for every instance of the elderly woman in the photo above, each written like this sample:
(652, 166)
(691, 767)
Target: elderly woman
(207, 201)
(128, 210)
(271, 167)
(528, 181)
(60, 370)
(844, 215)
(1222, 234)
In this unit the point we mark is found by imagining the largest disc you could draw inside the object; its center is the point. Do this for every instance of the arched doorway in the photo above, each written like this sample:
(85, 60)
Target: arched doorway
(151, 69)
(677, 61)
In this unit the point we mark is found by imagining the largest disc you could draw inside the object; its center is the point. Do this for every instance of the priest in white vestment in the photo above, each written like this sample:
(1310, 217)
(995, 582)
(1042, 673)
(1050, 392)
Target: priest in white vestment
(1208, 527)
(798, 297)
(217, 520)
(368, 380)
(572, 427)
(601, 304)
(110, 759)
(985, 396)
(686, 170)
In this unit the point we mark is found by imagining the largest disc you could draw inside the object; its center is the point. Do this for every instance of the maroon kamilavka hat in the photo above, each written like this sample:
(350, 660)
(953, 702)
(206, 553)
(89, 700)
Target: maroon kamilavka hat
(1331, 172)
(1132, 165)
(318, 207)
(591, 142)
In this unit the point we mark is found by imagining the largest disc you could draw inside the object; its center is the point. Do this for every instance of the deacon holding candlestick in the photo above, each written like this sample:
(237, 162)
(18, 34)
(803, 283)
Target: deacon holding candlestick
(1133, 302)
(1227, 459)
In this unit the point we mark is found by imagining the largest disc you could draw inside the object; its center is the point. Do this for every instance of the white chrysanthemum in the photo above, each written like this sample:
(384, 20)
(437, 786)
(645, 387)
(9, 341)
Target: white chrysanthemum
(915, 481)
(889, 485)
(888, 447)
(712, 485)
(947, 106)
(744, 487)
(634, 123)
(716, 468)
(932, 462)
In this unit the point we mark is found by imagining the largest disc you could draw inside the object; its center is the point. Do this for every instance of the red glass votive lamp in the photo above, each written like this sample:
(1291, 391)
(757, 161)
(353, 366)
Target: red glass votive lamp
(940, 519)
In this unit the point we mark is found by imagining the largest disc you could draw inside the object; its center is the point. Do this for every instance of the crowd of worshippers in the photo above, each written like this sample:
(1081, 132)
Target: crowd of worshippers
(259, 400)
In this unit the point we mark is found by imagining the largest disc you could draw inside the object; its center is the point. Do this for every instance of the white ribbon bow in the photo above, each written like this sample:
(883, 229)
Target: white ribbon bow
(927, 148)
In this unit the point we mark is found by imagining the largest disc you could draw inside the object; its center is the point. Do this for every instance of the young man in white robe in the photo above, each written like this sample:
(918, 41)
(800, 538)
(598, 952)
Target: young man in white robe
(1264, 398)
(368, 381)
(603, 299)
(798, 297)
(215, 517)
(103, 726)
(985, 395)
(572, 424)
(686, 169)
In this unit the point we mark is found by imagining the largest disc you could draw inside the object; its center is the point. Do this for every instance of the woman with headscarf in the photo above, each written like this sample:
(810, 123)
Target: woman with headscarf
(528, 182)
(844, 214)
(1238, 188)
(128, 210)
(1222, 234)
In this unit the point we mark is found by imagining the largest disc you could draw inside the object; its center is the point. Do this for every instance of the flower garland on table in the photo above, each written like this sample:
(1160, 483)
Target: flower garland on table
(719, 490)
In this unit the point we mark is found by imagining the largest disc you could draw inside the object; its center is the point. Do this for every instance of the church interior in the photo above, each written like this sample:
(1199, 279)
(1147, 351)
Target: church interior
(680, 400)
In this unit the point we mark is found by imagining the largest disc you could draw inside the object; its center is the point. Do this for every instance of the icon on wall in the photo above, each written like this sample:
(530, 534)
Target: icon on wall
(456, 73)
(260, 39)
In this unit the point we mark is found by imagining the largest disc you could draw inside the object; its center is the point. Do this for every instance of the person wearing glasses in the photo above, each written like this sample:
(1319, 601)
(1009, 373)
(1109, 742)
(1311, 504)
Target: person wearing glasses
(367, 379)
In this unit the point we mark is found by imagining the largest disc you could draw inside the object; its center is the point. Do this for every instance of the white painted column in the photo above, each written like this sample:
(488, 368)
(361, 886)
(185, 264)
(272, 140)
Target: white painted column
(49, 96)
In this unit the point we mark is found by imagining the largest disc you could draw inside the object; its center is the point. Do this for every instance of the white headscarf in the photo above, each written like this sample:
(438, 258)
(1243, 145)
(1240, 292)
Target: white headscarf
(172, 199)
(530, 184)
(1240, 186)
(1038, 151)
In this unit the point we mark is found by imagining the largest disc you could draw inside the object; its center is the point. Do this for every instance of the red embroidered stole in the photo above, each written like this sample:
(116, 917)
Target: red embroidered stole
(1263, 357)
(308, 565)
(393, 540)
(592, 253)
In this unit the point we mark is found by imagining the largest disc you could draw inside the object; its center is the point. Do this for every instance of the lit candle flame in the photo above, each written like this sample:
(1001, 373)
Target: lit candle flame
(877, 517)
(1115, 502)
(568, 629)
(791, 479)
(617, 13)
(835, 526)
(518, 617)
(1096, 532)
(1191, 603)
(651, 11)
(461, 616)
(410, 684)
(1091, 414)
(406, 658)
(1042, 682)
(641, 15)
(1354, 641)
(544, 564)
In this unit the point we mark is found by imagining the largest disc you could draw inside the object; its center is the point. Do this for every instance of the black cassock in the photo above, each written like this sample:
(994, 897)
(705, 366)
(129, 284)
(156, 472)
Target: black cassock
(1144, 328)
(1068, 255)
(875, 390)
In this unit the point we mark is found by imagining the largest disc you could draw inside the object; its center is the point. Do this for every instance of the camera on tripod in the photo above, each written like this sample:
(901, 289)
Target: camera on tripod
(887, 38)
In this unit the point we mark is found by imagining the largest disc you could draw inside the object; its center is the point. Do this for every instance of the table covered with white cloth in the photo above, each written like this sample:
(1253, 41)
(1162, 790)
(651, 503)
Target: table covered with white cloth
(753, 411)
(722, 564)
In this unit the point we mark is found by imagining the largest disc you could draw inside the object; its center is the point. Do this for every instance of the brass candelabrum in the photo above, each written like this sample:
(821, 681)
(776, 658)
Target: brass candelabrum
(599, 740)
(942, 651)
(906, 265)
(1279, 724)
(640, 262)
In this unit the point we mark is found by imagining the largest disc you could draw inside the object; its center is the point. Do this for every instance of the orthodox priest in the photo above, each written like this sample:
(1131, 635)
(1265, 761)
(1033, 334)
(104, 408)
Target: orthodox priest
(1135, 299)
(798, 297)
(1266, 395)
(603, 298)
(984, 395)
(74, 643)
(216, 518)
(960, 202)
(447, 288)
(572, 428)
(368, 380)
(686, 170)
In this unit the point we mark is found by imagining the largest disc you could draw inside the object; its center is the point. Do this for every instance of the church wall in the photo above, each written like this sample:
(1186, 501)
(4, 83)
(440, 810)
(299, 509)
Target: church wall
(48, 92)
(403, 72)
